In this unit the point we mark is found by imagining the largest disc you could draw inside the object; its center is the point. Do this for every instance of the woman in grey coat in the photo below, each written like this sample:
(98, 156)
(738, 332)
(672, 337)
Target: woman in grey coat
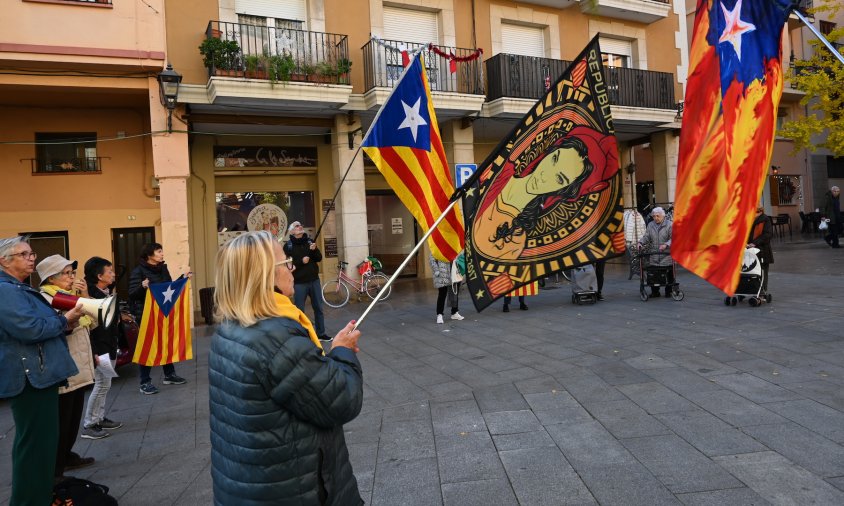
(657, 242)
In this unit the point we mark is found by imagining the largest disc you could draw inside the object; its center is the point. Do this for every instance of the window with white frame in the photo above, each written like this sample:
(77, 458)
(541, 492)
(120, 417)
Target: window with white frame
(616, 53)
(523, 40)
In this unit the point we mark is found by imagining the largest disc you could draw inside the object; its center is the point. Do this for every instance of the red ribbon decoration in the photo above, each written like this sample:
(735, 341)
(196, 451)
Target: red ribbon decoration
(405, 58)
(453, 59)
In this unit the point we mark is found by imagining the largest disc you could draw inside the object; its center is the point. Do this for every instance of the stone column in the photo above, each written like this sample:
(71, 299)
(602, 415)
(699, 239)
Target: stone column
(665, 147)
(350, 206)
(171, 163)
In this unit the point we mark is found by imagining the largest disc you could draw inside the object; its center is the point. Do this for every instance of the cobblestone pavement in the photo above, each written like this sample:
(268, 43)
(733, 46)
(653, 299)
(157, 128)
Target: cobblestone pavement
(624, 402)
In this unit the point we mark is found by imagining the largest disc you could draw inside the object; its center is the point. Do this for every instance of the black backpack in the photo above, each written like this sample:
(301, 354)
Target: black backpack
(79, 492)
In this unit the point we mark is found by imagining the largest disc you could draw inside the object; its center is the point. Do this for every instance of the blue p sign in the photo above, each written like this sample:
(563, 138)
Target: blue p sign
(463, 171)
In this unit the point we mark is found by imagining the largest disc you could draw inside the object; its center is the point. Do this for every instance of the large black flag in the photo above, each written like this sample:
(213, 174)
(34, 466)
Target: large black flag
(548, 197)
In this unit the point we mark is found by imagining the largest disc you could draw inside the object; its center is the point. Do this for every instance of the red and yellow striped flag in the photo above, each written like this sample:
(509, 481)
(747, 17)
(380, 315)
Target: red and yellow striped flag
(404, 143)
(165, 333)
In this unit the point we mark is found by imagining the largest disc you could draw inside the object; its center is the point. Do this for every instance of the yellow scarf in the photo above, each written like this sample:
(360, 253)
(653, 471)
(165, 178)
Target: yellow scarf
(51, 290)
(288, 310)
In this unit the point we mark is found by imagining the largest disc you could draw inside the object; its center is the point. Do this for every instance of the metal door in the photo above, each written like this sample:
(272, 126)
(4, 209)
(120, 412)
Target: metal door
(127, 244)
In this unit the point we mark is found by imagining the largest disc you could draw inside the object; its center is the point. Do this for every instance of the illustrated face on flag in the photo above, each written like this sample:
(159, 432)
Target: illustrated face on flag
(404, 143)
(164, 336)
(549, 197)
(729, 119)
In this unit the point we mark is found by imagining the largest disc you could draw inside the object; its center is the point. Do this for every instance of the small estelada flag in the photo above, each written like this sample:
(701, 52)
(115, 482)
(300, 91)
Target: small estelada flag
(165, 333)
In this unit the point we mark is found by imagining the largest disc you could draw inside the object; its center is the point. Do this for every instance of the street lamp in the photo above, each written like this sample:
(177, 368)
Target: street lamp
(168, 87)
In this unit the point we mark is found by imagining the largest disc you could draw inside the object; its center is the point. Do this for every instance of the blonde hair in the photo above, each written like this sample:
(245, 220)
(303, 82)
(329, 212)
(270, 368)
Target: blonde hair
(245, 279)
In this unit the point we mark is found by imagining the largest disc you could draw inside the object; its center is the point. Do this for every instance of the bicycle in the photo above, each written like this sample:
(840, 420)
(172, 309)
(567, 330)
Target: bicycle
(336, 292)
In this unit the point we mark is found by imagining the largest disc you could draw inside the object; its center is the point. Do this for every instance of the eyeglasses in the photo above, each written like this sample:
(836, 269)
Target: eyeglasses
(26, 255)
(288, 262)
(67, 273)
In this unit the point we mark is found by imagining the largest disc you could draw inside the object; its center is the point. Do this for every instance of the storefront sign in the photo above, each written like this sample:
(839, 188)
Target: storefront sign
(329, 229)
(264, 156)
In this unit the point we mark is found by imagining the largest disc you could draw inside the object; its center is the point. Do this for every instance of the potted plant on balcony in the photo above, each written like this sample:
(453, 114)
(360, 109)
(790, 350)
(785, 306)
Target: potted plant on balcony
(344, 66)
(220, 56)
(280, 67)
(324, 72)
(256, 66)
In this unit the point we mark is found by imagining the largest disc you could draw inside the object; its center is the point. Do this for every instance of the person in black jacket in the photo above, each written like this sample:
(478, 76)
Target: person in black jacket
(99, 275)
(150, 269)
(277, 402)
(306, 257)
(760, 237)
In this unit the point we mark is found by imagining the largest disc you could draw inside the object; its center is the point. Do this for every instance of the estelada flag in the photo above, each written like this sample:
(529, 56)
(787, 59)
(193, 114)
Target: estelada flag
(165, 333)
(548, 198)
(729, 119)
(404, 143)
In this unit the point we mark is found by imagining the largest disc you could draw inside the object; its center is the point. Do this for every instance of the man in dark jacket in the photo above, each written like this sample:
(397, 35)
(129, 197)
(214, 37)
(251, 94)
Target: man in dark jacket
(760, 237)
(306, 257)
(832, 211)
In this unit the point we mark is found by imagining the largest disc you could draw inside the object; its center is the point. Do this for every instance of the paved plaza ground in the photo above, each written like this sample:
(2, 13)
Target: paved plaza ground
(624, 402)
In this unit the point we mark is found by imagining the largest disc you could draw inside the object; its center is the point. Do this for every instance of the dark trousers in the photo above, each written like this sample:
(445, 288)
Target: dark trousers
(36, 415)
(71, 407)
(832, 234)
(452, 297)
(599, 273)
(314, 291)
(508, 298)
(146, 370)
(765, 277)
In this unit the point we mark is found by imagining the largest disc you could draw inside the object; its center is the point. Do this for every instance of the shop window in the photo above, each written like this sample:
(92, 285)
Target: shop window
(835, 167)
(785, 190)
(66, 152)
(273, 211)
(826, 27)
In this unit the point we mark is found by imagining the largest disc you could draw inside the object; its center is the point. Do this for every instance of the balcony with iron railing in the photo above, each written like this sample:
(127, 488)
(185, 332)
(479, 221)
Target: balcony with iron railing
(81, 165)
(528, 77)
(382, 67)
(275, 54)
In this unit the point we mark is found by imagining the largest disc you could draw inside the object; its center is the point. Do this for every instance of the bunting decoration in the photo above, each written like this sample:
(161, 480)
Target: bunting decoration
(404, 143)
(452, 59)
(548, 198)
(165, 333)
(729, 119)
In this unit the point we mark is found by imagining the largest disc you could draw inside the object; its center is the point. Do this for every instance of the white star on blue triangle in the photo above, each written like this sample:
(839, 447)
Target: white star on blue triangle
(402, 124)
(167, 294)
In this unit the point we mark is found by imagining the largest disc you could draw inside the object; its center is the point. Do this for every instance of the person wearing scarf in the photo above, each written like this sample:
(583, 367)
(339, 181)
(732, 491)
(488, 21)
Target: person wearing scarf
(58, 275)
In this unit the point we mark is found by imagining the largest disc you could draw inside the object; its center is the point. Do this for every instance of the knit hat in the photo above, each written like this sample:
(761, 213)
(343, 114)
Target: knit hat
(52, 265)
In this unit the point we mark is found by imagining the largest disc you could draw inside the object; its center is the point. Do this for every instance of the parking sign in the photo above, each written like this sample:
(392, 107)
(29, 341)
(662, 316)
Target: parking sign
(463, 171)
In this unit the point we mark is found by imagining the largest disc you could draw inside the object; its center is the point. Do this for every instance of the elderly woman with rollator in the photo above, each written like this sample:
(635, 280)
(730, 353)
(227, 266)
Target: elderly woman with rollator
(657, 241)
(35, 361)
(278, 401)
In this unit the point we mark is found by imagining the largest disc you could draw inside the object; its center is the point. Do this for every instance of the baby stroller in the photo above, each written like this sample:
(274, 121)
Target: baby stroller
(657, 276)
(584, 285)
(751, 280)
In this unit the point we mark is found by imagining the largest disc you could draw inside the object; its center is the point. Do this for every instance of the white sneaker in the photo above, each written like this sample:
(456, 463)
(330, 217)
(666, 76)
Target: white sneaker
(439, 318)
(457, 316)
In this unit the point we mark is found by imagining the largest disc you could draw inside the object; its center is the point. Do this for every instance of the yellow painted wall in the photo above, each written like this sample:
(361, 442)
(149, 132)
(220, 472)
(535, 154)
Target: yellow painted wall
(125, 25)
(186, 24)
(88, 206)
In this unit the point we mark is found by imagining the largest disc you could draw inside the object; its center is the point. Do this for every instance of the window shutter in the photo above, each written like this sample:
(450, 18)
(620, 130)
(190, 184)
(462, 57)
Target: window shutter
(617, 46)
(523, 40)
(284, 9)
(407, 25)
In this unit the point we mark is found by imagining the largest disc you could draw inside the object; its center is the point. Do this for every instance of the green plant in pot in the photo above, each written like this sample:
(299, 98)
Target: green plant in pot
(219, 54)
(280, 67)
(344, 66)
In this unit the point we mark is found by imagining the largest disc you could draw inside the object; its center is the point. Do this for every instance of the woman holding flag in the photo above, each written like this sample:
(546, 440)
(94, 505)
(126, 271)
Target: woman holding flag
(278, 402)
(150, 269)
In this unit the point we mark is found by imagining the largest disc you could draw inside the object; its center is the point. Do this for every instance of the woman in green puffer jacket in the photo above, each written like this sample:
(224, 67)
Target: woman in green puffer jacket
(277, 403)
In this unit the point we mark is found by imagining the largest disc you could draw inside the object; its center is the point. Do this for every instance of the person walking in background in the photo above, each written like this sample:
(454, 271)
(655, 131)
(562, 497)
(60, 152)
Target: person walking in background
(151, 269)
(99, 276)
(278, 404)
(832, 212)
(58, 275)
(306, 257)
(760, 237)
(442, 282)
(31, 332)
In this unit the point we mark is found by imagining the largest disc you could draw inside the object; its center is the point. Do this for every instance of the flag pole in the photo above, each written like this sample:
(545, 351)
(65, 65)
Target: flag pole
(819, 35)
(368, 131)
(405, 262)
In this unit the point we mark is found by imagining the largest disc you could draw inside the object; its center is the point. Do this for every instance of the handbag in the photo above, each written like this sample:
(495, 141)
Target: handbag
(823, 225)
